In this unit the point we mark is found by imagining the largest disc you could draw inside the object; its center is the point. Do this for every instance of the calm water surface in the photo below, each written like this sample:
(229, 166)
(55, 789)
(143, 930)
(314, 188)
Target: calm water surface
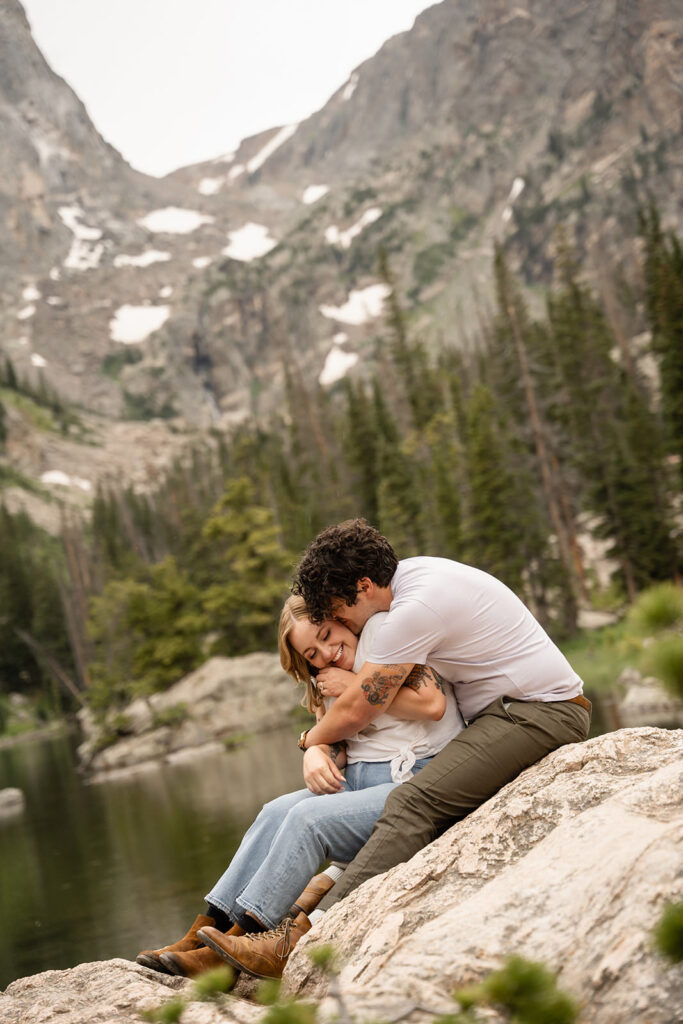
(91, 872)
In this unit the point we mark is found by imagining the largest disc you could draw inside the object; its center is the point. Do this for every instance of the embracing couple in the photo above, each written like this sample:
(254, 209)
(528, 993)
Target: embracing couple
(433, 686)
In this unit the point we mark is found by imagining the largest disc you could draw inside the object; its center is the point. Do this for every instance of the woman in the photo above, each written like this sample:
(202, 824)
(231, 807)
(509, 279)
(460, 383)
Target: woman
(333, 818)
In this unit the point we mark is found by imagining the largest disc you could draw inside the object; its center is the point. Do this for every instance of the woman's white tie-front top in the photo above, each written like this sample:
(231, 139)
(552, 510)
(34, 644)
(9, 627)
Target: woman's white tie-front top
(393, 739)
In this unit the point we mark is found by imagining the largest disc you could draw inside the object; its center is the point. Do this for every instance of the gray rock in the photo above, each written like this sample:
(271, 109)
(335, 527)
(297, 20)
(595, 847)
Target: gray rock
(108, 992)
(570, 864)
(646, 702)
(224, 697)
(12, 801)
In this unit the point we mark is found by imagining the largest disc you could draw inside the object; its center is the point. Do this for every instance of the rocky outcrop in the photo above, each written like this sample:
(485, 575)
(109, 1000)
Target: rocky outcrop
(108, 992)
(12, 801)
(225, 698)
(646, 701)
(570, 864)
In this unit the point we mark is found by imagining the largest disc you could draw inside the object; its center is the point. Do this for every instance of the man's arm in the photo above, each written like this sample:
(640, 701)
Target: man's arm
(422, 697)
(366, 698)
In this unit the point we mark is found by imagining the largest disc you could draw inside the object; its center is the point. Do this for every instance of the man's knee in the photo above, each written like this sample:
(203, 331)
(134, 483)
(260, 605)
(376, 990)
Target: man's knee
(409, 802)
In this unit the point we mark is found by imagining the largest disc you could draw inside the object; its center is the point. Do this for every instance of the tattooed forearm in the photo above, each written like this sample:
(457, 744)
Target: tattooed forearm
(418, 677)
(439, 681)
(421, 676)
(379, 686)
(336, 750)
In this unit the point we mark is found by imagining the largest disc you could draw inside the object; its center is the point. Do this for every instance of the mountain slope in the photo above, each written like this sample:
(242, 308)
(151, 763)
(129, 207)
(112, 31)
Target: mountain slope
(185, 297)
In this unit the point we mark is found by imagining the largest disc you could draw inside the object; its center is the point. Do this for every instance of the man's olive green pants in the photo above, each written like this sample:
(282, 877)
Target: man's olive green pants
(503, 740)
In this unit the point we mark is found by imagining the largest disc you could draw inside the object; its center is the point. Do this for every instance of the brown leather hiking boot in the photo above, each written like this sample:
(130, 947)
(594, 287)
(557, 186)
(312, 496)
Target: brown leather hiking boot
(260, 954)
(318, 886)
(196, 961)
(151, 957)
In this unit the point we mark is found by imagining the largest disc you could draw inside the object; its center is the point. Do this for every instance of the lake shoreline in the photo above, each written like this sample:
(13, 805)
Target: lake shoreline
(51, 730)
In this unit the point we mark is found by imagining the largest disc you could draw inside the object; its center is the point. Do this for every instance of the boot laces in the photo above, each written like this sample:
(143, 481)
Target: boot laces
(280, 933)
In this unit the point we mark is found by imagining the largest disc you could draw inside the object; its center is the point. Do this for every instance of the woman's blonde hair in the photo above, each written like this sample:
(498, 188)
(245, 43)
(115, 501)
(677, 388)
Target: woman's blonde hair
(293, 611)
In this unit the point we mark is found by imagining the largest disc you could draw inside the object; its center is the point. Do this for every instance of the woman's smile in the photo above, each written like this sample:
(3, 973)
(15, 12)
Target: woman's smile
(329, 643)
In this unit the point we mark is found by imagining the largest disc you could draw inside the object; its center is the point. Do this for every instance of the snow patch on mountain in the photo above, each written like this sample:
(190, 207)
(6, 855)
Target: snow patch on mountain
(61, 479)
(200, 262)
(132, 324)
(210, 186)
(337, 365)
(517, 189)
(277, 140)
(313, 193)
(143, 259)
(363, 304)
(333, 236)
(83, 254)
(249, 242)
(350, 86)
(37, 360)
(174, 220)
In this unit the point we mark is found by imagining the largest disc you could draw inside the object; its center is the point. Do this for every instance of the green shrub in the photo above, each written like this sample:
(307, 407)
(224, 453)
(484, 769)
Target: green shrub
(527, 990)
(668, 933)
(173, 716)
(664, 660)
(659, 607)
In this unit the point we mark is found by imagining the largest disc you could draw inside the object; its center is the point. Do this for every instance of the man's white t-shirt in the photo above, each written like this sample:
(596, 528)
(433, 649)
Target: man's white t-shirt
(388, 738)
(473, 631)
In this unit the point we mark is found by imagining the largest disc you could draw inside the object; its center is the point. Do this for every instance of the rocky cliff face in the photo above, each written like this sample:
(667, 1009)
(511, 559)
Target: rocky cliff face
(224, 698)
(571, 864)
(185, 297)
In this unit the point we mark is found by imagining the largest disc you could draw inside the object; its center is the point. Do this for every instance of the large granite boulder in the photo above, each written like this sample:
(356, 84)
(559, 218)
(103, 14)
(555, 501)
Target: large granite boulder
(109, 992)
(570, 864)
(225, 697)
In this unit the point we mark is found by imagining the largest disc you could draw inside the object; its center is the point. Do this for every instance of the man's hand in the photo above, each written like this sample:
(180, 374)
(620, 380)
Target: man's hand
(321, 774)
(332, 682)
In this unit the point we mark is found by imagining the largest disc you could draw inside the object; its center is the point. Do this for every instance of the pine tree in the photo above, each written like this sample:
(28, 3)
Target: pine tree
(250, 573)
(400, 487)
(664, 298)
(361, 448)
(606, 422)
(515, 339)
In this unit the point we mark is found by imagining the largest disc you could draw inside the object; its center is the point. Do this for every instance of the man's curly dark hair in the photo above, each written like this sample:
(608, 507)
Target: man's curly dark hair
(334, 562)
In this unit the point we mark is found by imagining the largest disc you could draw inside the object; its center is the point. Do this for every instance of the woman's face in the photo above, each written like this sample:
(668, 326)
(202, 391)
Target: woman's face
(329, 643)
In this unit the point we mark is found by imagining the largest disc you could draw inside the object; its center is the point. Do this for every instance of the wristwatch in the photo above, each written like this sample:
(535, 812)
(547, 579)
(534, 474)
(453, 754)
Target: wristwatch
(302, 739)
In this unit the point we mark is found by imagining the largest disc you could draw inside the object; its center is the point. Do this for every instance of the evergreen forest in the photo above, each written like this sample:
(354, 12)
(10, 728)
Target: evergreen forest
(501, 453)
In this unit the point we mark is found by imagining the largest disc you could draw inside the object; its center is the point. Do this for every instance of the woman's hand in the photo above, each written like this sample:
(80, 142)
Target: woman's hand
(321, 774)
(333, 681)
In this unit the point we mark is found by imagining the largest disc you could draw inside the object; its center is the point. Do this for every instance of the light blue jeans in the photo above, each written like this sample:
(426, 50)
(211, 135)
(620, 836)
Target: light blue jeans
(291, 838)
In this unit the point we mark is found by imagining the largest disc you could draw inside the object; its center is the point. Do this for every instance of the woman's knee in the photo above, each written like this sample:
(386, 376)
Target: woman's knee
(280, 807)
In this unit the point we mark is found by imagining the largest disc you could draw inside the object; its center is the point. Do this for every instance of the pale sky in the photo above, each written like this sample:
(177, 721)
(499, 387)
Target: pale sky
(174, 82)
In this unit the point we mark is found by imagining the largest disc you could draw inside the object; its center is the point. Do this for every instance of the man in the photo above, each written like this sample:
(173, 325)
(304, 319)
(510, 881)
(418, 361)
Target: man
(515, 688)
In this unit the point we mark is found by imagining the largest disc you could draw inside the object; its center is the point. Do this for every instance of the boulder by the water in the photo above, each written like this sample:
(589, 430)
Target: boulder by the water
(571, 864)
(12, 801)
(222, 698)
(108, 992)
